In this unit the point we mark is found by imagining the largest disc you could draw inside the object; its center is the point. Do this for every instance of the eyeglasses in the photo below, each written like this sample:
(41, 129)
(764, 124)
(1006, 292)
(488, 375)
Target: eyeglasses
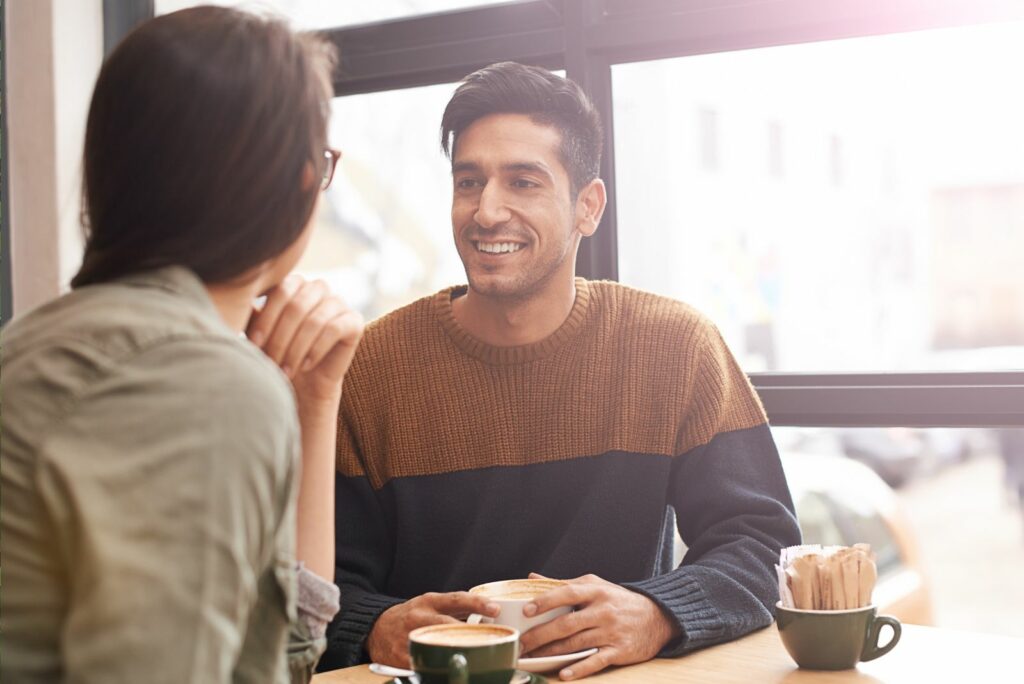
(331, 158)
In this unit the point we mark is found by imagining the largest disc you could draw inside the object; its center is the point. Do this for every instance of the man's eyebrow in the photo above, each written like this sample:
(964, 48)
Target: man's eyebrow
(458, 167)
(511, 167)
(529, 167)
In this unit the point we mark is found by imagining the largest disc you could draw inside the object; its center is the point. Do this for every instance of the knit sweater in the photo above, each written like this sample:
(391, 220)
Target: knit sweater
(461, 463)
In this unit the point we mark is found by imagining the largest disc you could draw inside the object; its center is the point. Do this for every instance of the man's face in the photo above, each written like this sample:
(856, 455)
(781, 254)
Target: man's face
(513, 215)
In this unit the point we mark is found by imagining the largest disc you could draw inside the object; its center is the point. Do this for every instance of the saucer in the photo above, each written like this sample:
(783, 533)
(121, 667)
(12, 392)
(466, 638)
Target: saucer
(549, 663)
(520, 677)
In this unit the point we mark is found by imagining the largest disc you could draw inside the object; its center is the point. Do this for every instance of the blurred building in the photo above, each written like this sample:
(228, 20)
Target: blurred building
(978, 240)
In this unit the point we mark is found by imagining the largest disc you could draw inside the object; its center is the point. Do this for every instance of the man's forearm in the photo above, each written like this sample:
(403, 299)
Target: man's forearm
(735, 513)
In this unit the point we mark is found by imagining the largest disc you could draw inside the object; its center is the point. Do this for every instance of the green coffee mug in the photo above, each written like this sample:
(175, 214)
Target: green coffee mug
(464, 654)
(834, 639)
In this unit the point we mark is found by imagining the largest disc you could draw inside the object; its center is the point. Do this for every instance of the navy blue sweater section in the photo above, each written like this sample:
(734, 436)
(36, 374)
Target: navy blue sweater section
(611, 515)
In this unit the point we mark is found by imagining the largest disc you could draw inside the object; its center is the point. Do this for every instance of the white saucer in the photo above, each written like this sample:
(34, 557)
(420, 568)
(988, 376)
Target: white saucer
(520, 677)
(549, 663)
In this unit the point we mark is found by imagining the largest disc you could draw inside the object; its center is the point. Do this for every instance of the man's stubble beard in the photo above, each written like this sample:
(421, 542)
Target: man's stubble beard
(521, 289)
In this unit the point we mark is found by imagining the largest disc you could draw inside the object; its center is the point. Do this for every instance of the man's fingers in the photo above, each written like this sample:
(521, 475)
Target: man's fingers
(401, 646)
(388, 641)
(424, 618)
(581, 641)
(463, 603)
(603, 658)
(559, 629)
(568, 595)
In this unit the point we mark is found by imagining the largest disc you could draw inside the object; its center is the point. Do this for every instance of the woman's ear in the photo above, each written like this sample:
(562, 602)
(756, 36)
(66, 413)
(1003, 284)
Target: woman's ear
(309, 177)
(590, 204)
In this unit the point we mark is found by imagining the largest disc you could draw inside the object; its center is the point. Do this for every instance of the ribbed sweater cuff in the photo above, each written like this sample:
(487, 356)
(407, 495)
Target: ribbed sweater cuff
(683, 598)
(356, 621)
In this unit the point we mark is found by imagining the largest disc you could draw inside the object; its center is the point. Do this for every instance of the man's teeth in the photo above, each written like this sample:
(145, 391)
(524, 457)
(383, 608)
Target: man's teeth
(498, 247)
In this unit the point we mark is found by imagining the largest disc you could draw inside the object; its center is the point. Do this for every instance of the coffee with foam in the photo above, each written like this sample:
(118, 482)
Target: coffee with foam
(463, 635)
(517, 590)
(472, 654)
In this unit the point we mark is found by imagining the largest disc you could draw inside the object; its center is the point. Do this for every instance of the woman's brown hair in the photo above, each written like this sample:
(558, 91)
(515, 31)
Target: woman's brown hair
(205, 138)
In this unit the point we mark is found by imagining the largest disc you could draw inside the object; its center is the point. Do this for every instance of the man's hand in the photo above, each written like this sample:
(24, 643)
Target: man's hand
(625, 626)
(388, 642)
(311, 334)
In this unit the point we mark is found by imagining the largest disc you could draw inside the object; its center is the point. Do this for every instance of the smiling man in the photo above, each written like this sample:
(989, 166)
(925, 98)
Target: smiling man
(535, 422)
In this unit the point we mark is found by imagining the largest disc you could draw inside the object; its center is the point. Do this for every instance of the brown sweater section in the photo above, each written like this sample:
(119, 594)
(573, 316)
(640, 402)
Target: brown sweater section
(627, 371)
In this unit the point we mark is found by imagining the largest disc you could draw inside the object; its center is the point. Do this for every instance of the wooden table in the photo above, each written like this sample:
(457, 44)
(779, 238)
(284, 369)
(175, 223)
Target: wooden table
(924, 654)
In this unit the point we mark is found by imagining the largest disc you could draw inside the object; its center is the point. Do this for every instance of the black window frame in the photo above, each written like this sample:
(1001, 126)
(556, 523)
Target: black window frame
(586, 38)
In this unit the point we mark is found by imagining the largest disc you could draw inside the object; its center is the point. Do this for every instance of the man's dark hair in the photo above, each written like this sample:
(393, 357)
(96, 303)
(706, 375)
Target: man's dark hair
(202, 127)
(550, 100)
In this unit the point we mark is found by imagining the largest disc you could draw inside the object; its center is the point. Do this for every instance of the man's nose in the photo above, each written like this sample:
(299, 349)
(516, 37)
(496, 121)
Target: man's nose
(493, 208)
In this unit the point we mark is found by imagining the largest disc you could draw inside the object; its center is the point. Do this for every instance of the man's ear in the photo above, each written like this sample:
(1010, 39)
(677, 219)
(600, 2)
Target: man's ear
(590, 205)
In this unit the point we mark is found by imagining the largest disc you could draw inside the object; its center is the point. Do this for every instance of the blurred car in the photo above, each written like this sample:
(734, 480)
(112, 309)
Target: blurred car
(840, 501)
(896, 454)
(900, 454)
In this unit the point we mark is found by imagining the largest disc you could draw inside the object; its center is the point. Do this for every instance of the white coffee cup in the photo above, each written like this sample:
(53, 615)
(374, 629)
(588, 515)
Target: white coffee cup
(512, 596)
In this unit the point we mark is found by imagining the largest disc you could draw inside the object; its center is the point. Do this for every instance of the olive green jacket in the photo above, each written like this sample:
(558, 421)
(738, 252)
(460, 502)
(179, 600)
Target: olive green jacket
(148, 471)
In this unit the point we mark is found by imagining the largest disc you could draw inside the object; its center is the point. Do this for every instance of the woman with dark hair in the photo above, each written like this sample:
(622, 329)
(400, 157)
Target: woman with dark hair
(156, 523)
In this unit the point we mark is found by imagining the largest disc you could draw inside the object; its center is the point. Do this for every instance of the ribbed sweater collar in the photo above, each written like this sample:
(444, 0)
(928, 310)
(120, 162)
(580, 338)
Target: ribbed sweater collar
(523, 353)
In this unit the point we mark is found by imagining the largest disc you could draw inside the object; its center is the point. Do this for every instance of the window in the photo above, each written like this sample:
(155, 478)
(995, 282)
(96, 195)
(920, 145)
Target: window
(904, 256)
(775, 165)
(835, 159)
(383, 235)
(937, 506)
(710, 156)
(318, 14)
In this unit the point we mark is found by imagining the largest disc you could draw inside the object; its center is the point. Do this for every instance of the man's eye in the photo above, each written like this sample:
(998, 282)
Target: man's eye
(524, 183)
(467, 183)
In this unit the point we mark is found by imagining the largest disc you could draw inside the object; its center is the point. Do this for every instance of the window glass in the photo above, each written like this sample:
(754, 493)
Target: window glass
(942, 508)
(849, 205)
(817, 522)
(318, 14)
(383, 235)
(862, 523)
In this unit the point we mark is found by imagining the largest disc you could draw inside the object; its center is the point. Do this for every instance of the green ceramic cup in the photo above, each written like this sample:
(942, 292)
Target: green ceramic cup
(464, 654)
(834, 639)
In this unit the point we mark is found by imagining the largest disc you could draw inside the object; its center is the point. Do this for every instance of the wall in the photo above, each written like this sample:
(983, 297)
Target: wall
(54, 51)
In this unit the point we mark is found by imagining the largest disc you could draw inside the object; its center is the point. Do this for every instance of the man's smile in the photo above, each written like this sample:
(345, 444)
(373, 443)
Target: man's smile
(497, 247)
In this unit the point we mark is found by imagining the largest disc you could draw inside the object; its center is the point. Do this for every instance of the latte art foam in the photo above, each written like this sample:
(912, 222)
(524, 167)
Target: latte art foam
(514, 595)
(462, 635)
(516, 590)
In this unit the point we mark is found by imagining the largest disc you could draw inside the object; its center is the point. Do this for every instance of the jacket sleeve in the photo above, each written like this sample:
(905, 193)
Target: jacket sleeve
(733, 509)
(317, 603)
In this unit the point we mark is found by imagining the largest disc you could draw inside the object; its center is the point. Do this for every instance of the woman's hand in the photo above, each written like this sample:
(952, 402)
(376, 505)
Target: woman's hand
(311, 334)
